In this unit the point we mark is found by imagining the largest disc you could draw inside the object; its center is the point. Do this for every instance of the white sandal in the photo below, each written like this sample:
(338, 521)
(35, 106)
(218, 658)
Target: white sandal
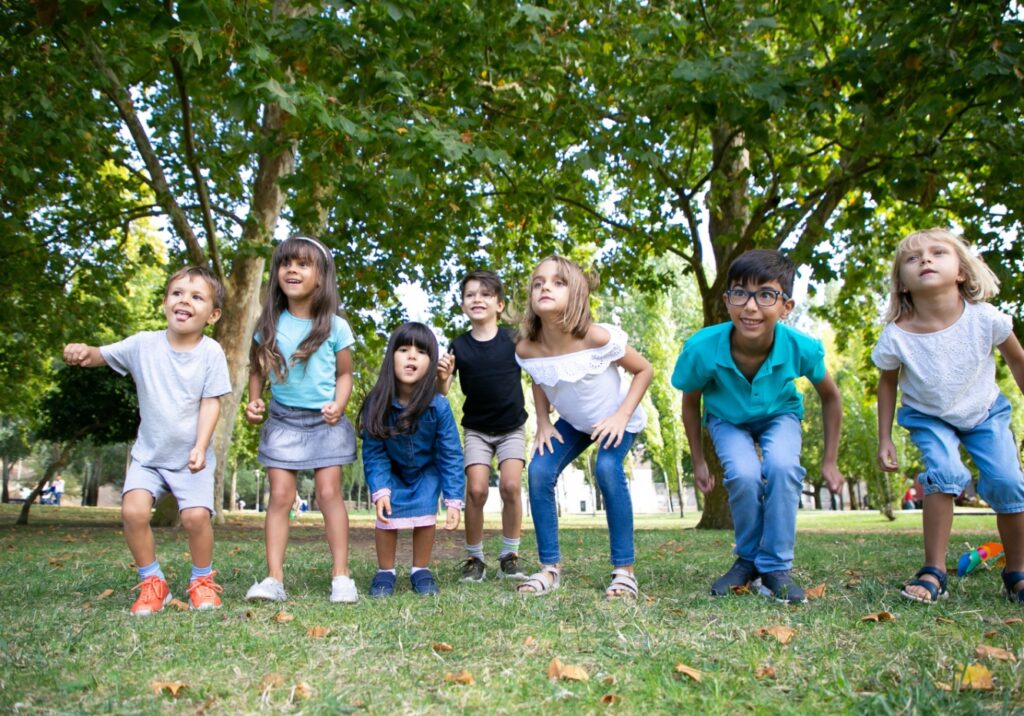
(623, 585)
(546, 580)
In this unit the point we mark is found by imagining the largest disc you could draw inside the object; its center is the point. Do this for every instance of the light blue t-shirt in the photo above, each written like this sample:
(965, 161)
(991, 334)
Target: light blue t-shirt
(311, 383)
(706, 364)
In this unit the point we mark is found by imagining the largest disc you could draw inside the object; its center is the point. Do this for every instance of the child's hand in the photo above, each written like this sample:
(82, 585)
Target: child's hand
(702, 478)
(76, 354)
(887, 456)
(331, 412)
(254, 410)
(452, 520)
(445, 366)
(833, 478)
(543, 438)
(383, 506)
(196, 459)
(608, 433)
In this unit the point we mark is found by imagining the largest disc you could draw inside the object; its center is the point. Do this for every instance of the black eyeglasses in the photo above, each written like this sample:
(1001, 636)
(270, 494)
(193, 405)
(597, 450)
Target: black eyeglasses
(764, 297)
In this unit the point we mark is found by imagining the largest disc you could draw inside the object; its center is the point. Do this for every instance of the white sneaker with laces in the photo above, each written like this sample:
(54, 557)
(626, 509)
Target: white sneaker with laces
(343, 590)
(269, 589)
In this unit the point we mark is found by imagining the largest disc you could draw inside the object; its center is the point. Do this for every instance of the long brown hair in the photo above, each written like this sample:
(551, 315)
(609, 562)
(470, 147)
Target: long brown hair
(375, 414)
(577, 318)
(264, 355)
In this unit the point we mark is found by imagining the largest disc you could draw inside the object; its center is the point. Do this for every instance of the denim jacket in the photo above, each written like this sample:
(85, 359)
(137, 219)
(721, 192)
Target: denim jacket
(417, 468)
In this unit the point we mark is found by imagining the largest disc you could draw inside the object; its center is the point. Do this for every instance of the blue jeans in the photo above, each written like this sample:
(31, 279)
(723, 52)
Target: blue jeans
(991, 446)
(611, 479)
(764, 494)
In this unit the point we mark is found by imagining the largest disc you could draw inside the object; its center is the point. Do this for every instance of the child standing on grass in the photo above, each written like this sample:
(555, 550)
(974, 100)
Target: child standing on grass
(574, 365)
(411, 456)
(302, 345)
(939, 347)
(180, 375)
(744, 371)
(493, 419)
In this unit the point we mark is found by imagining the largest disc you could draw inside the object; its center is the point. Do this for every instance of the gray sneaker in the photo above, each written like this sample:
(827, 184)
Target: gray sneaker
(739, 576)
(509, 568)
(781, 587)
(473, 570)
(269, 589)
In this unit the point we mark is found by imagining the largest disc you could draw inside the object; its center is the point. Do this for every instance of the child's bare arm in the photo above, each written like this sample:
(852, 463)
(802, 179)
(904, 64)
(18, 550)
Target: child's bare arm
(445, 373)
(333, 410)
(546, 432)
(887, 383)
(1013, 354)
(83, 356)
(255, 408)
(609, 431)
(832, 419)
(692, 425)
(209, 411)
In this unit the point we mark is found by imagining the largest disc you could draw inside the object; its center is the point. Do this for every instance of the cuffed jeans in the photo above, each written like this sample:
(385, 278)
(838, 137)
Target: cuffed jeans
(764, 494)
(611, 480)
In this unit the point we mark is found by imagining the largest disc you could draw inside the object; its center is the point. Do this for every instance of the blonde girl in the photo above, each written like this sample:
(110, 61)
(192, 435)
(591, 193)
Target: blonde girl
(574, 364)
(303, 347)
(938, 348)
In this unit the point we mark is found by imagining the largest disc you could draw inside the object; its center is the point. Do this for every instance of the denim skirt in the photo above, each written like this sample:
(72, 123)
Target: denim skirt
(299, 439)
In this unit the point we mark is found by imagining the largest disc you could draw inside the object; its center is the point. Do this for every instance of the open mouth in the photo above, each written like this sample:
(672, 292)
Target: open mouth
(182, 315)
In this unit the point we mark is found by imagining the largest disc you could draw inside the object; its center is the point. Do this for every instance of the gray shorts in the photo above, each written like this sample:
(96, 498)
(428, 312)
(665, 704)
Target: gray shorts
(299, 439)
(481, 448)
(190, 489)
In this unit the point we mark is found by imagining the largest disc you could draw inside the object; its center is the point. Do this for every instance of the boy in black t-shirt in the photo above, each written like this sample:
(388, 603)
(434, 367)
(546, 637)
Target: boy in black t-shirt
(493, 421)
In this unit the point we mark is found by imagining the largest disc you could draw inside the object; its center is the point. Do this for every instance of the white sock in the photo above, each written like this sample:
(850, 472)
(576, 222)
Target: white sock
(389, 571)
(414, 570)
(508, 546)
(476, 550)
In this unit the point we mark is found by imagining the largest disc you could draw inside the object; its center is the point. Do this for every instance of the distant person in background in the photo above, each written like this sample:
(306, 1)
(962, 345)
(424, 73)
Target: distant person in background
(57, 489)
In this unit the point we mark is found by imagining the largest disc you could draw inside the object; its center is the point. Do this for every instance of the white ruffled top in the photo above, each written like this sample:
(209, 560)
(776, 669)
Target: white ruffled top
(586, 387)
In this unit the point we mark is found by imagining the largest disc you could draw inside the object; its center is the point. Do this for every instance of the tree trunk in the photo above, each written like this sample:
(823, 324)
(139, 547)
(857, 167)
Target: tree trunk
(58, 463)
(716, 514)
(682, 496)
(7, 467)
(234, 487)
(91, 491)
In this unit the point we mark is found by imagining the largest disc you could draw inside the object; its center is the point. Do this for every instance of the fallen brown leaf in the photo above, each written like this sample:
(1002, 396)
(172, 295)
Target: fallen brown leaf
(855, 582)
(86, 605)
(739, 589)
(608, 680)
(270, 681)
(765, 672)
(879, 617)
(976, 677)
(463, 677)
(649, 599)
(318, 632)
(302, 691)
(609, 699)
(55, 561)
(249, 614)
(178, 604)
(1013, 620)
(557, 670)
(105, 593)
(682, 668)
(943, 686)
(441, 646)
(781, 634)
(991, 633)
(816, 592)
(984, 651)
(529, 641)
(944, 620)
(172, 687)
(282, 616)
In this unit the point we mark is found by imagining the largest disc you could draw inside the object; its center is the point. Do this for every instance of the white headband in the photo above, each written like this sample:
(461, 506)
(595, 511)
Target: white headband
(315, 243)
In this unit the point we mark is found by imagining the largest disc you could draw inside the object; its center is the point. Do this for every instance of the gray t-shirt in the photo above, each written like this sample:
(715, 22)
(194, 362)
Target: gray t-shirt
(170, 385)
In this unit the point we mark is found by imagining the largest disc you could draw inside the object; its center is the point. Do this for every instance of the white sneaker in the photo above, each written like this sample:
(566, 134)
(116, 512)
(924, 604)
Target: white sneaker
(343, 589)
(269, 589)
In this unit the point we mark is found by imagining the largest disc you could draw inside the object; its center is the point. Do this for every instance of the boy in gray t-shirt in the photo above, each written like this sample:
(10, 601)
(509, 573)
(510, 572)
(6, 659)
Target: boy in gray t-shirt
(180, 375)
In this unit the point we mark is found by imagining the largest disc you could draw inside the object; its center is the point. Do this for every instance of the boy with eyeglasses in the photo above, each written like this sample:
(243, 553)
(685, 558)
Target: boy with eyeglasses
(745, 370)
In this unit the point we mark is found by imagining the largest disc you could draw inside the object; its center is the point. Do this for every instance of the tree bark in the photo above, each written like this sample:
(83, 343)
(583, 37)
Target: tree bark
(58, 463)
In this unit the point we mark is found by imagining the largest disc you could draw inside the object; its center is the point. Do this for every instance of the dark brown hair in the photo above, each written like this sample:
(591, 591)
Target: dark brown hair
(375, 413)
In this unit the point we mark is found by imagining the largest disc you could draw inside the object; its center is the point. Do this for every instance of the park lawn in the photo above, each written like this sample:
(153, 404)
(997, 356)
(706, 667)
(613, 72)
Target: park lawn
(65, 647)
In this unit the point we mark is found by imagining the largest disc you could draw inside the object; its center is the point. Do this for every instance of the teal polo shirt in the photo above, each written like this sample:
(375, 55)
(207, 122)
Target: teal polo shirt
(706, 364)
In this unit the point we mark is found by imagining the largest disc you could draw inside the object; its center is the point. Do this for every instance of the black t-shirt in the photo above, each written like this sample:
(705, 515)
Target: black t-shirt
(489, 378)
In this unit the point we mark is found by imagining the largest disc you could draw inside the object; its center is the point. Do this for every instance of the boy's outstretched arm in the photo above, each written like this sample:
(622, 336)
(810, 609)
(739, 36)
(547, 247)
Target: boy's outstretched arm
(445, 373)
(83, 356)
(209, 411)
(691, 422)
(887, 383)
(832, 420)
(1013, 354)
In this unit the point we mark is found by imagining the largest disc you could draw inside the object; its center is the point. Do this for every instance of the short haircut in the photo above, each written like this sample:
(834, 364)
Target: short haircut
(577, 318)
(487, 279)
(762, 266)
(979, 284)
(204, 273)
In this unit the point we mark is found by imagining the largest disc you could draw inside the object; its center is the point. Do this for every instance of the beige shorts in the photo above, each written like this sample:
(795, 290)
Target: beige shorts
(481, 448)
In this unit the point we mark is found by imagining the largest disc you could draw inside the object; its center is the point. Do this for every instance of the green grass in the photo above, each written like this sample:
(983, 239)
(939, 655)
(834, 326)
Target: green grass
(64, 649)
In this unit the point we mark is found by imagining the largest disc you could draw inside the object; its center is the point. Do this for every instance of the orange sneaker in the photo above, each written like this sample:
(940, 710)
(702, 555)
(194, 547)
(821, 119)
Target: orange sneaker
(202, 593)
(154, 595)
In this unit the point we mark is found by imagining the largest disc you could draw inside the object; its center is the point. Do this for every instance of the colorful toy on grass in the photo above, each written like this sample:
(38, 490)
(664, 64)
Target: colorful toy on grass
(987, 555)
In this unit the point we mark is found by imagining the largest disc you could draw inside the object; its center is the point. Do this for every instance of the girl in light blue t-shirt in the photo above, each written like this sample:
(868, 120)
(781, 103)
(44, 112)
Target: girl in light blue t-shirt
(303, 347)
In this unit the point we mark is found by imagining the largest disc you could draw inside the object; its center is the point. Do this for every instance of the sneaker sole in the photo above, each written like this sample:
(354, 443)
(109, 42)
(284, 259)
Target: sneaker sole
(474, 579)
(520, 577)
(151, 612)
(204, 607)
(344, 600)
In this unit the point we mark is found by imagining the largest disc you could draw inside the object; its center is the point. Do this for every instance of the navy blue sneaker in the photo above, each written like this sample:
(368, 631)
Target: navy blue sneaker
(423, 582)
(781, 587)
(383, 584)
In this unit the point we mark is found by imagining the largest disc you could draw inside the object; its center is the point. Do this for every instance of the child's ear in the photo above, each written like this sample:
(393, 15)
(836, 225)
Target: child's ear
(214, 317)
(788, 306)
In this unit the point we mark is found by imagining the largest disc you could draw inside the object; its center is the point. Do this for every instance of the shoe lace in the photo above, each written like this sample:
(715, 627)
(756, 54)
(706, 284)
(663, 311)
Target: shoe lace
(510, 561)
(148, 588)
(204, 587)
(470, 564)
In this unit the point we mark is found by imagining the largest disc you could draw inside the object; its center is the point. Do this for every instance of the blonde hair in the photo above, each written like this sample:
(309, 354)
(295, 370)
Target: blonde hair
(979, 283)
(576, 318)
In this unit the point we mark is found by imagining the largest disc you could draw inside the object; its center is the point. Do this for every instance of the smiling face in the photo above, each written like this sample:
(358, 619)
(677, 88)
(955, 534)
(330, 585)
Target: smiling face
(412, 365)
(189, 306)
(931, 265)
(481, 303)
(754, 324)
(298, 278)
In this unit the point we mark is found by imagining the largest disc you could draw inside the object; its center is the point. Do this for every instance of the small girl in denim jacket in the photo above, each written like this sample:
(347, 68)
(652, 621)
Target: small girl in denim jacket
(939, 348)
(411, 456)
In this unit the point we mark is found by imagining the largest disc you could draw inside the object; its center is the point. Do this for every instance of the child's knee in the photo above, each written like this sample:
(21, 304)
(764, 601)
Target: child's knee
(785, 466)
(510, 490)
(477, 492)
(326, 493)
(282, 494)
(195, 518)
